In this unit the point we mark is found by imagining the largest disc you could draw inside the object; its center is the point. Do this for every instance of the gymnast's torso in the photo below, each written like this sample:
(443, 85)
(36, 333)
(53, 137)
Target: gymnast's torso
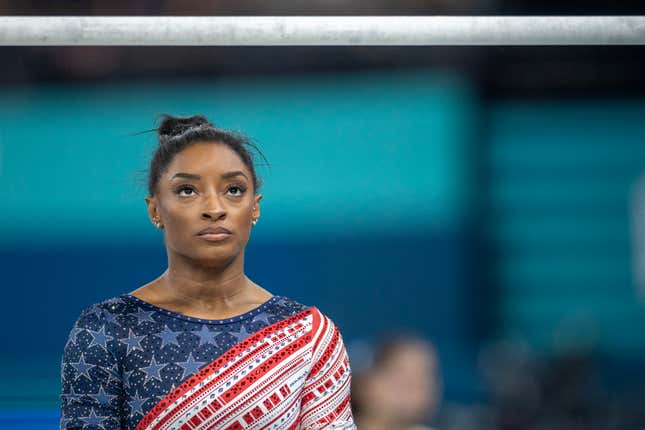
(129, 364)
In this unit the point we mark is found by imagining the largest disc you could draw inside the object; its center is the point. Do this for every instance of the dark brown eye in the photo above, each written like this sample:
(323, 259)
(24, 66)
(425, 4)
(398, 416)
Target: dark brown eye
(237, 190)
(185, 191)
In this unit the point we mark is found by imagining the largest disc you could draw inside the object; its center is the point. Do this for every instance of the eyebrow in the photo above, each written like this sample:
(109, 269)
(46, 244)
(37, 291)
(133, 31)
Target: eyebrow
(197, 177)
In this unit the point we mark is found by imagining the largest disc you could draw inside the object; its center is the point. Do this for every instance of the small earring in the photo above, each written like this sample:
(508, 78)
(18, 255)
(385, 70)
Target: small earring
(255, 221)
(157, 223)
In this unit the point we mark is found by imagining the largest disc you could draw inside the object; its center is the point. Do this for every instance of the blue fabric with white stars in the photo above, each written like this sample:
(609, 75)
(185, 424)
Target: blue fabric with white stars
(123, 355)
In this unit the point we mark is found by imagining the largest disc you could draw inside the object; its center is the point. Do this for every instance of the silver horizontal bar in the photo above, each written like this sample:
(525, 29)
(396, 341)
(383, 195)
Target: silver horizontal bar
(320, 30)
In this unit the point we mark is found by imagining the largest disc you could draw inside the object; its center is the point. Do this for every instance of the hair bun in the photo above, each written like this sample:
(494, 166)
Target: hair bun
(177, 125)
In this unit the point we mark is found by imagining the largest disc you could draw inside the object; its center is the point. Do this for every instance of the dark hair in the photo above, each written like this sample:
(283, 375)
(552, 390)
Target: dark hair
(390, 345)
(176, 133)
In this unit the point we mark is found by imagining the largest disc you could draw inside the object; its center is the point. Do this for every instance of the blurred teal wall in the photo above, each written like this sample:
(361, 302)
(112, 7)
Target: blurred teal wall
(561, 176)
(360, 151)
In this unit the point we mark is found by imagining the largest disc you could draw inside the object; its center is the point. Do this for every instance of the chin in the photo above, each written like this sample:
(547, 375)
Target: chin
(215, 258)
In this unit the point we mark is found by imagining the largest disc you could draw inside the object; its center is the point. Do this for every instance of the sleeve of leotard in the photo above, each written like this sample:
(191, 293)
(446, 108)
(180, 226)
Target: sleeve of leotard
(92, 388)
(325, 400)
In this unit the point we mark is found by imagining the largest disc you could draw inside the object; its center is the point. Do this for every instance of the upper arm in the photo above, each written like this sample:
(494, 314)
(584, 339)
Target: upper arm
(92, 394)
(326, 394)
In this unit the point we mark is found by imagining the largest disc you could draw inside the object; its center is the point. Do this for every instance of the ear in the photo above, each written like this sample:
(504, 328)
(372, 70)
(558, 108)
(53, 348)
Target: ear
(153, 210)
(256, 207)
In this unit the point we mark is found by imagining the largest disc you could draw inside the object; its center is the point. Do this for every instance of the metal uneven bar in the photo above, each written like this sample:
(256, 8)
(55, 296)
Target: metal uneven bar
(321, 30)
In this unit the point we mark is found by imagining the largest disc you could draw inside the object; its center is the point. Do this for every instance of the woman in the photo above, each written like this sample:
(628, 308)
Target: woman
(203, 346)
(402, 387)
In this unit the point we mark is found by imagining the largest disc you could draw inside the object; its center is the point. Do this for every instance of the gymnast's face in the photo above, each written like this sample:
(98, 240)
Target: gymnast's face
(206, 186)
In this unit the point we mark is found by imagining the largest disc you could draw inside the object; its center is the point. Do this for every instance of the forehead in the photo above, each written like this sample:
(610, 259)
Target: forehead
(417, 353)
(205, 158)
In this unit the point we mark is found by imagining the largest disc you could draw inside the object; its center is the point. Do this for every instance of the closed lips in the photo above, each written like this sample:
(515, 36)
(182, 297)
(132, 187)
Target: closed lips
(214, 230)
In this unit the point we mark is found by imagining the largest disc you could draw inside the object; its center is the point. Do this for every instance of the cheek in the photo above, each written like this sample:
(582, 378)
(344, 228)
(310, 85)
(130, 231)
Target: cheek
(244, 216)
(176, 215)
(179, 220)
(243, 222)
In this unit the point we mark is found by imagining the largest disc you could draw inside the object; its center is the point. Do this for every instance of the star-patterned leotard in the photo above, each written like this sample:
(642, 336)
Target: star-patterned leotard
(129, 364)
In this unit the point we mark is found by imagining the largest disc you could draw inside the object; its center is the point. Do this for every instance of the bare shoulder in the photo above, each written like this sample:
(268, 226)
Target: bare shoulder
(147, 292)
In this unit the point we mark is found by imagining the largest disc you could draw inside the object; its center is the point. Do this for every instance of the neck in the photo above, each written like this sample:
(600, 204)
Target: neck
(210, 288)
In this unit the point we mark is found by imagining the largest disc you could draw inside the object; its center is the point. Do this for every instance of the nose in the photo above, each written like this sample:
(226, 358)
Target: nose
(213, 208)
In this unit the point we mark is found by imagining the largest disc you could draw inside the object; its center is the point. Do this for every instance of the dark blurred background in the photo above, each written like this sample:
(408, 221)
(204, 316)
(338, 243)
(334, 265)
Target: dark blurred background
(490, 200)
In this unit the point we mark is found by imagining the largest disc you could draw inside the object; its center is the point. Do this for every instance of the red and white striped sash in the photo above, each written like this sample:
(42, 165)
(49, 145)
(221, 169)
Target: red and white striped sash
(257, 384)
